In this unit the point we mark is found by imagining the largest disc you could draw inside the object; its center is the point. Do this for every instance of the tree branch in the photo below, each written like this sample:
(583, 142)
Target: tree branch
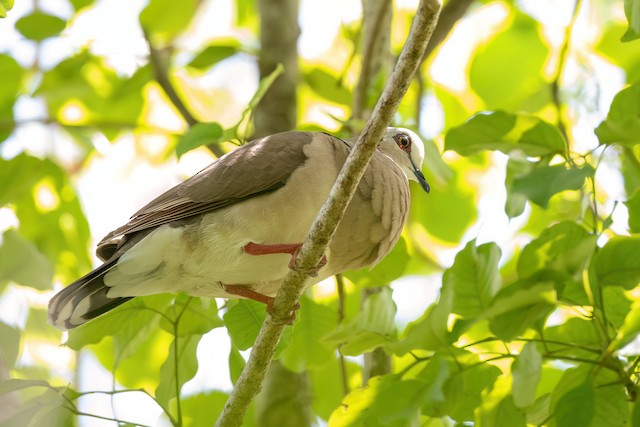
(162, 77)
(330, 215)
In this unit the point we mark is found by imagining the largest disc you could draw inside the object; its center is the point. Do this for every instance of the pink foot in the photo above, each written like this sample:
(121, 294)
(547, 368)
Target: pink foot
(282, 248)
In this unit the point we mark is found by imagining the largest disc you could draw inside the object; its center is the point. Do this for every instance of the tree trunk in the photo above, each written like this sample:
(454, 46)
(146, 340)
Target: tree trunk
(285, 399)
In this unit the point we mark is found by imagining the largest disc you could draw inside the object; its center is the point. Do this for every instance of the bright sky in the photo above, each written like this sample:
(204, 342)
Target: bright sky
(119, 165)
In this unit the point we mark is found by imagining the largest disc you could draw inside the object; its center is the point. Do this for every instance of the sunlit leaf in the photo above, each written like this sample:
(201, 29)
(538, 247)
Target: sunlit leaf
(390, 268)
(374, 326)
(11, 74)
(5, 6)
(516, 202)
(498, 408)
(632, 10)
(307, 348)
(180, 367)
(244, 320)
(475, 278)
(126, 321)
(463, 390)
(576, 407)
(622, 125)
(327, 86)
(618, 262)
(164, 20)
(23, 263)
(564, 247)
(236, 363)
(9, 345)
(505, 132)
(526, 371)
(625, 55)
(521, 76)
(39, 26)
(633, 207)
(198, 135)
(214, 53)
(191, 316)
(628, 331)
(429, 332)
(545, 181)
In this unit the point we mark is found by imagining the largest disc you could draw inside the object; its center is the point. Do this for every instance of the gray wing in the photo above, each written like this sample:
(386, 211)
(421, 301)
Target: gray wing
(258, 167)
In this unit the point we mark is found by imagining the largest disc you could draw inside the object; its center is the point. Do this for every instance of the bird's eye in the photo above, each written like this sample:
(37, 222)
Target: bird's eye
(404, 141)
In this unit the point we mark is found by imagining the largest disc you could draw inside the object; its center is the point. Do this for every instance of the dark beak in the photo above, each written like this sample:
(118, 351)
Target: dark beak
(421, 179)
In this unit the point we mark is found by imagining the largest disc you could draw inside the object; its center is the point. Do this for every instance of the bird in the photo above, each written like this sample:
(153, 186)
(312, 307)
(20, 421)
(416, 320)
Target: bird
(233, 229)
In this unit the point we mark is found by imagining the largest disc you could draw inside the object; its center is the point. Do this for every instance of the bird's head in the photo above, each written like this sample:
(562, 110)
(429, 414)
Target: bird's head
(406, 149)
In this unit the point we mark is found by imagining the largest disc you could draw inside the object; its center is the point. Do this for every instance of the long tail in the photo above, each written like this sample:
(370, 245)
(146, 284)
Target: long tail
(83, 300)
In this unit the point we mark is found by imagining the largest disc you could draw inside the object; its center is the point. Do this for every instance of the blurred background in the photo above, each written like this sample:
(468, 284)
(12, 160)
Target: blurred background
(96, 95)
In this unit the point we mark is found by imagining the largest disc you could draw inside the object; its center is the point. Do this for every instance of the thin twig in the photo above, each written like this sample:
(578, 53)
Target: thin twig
(162, 77)
(555, 83)
(326, 222)
(341, 360)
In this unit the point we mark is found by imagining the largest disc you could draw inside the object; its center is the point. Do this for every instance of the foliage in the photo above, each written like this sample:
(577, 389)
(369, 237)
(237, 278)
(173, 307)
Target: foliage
(535, 325)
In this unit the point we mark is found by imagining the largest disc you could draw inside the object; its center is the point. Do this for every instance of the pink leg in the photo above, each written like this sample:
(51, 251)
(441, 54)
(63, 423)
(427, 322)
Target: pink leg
(282, 248)
(244, 291)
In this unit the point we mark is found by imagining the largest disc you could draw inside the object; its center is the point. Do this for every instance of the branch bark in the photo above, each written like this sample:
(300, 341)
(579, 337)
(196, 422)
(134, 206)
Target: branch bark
(331, 213)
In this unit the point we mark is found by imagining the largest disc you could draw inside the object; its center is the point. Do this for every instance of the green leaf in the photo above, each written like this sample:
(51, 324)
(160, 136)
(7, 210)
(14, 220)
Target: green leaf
(374, 326)
(307, 348)
(624, 55)
(23, 263)
(618, 262)
(164, 20)
(15, 384)
(327, 86)
(180, 367)
(429, 332)
(198, 135)
(507, 133)
(210, 403)
(244, 320)
(498, 408)
(456, 206)
(545, 181)
(192, 315)
(435, 374)
(131, 319)
(516, 202)
(564, 247)
(389, 269)
(515, 58)
(569, 338)
(576, 407)
(39, 26)
(526, 371)
(385, 401)
(628, 331)
(9, 345)
(475, 279)
(632, 10)
(520, 306)
(622, 125)
(81, 4)
(214, 53)
(11, 74)
(5, 6)
(633, 206)
(463, 390)
(236, 364)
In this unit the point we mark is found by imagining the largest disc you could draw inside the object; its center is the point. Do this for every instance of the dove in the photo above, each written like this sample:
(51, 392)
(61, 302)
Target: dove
(233, 230)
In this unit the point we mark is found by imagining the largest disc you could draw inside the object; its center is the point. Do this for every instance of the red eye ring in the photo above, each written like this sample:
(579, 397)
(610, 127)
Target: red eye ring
(404, 141)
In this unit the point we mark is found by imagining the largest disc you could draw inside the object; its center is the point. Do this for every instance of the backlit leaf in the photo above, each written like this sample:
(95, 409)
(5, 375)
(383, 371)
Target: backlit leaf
(526, 371)
(618, 262)
(39, 26)
(505, 132)
(23, 263)
(622, 125)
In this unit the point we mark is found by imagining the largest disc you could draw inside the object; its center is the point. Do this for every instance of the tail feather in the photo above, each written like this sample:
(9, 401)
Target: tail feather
(83, 300)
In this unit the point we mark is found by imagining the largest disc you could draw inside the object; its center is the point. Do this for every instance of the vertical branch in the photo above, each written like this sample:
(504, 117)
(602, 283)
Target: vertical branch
(286, 396)
(342, 363)
(376, 27)
(330, 214)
